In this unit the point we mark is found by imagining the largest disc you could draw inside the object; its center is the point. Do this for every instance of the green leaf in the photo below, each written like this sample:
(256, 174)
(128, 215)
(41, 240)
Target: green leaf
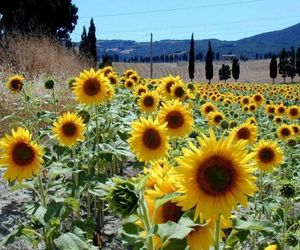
(164, 199)
(70, 241)
(255, 225)
(235, 237)
(53, 210)
(10, 238)
(73, 203)
(172, 230)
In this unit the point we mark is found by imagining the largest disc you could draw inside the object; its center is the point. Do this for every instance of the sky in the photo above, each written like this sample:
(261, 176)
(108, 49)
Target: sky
(177, 19)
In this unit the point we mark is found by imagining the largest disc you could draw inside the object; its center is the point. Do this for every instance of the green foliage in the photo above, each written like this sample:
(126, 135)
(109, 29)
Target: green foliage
(209, 70)
(224, 72)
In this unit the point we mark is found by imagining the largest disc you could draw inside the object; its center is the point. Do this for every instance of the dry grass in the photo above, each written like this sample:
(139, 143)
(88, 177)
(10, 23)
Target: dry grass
(251, 71)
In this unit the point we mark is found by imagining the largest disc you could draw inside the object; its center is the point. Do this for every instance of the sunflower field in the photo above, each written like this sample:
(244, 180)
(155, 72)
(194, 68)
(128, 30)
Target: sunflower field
(183, 165)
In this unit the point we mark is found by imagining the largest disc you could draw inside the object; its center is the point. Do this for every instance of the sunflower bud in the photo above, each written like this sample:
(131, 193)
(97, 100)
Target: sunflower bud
(191, 86)
(84, 115)
(71, 82)
(232, 124)
(291, 240)
(287, 190)
(271, 116)
(122, 197)
(49, 84)
(224, 124)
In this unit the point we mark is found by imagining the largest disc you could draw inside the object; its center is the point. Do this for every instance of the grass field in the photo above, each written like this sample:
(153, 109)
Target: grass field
(251, 71)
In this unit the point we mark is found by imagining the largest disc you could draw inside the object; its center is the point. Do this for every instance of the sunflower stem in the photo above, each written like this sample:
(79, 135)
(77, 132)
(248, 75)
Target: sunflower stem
(76, 172)
(42, 191)
(217, 232)
(261, 191)
(147, 224)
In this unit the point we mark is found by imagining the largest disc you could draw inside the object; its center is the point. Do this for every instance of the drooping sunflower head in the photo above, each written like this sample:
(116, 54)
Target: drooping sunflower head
(268, 155)
(284, 132)
(148, 101)
(91, 87)
(215, 177)
(68, 129)
(15, 83)
(215, 118)
(178, 118)
(149, 140)
(246, 132)
(20, 155)
(293, 112)
(208, 107)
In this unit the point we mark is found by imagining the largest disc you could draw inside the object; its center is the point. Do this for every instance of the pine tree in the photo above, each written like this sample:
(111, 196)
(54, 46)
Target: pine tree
(283, 61)
(92, 40)
(192, 59)
(273, 68)
(298, 61)
(84, 46)
(235, 69)
(209, 70)
(224, 72)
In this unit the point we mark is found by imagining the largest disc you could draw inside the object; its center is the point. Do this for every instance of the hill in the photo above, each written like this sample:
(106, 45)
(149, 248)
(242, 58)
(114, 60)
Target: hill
(270, 42)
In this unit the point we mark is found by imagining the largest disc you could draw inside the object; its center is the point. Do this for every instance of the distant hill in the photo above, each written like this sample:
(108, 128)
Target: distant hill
(270, 42)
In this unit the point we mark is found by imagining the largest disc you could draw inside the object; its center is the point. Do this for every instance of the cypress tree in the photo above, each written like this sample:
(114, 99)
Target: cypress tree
(298, 61)
(92, 40)
(235, 69)
(209, 70)
(283, 61)
(273, 68)
(192, 59)
(83, 46)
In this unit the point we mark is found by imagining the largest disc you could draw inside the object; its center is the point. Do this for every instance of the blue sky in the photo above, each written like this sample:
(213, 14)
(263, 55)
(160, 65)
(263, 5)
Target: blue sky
(177, 19)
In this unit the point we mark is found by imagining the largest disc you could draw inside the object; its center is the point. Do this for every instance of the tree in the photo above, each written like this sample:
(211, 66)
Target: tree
(84, 45)
(209, 70)
(224, 72)
(291, 65)
(283, 61)
(92, 40)
(298, 61)
(192, 59)
(273, 68)
(50, 17)
(235, 69)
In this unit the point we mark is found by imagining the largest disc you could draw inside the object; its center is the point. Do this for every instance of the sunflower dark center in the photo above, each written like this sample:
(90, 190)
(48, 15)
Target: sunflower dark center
(151, 138)
(281, 110)
(295, 129)
(271, 110)
(129, 84)
(141, 91)
(16, 84)
(293, 112)
(208, 109)
(113, 80)
(175, 119)
(257, 98)
(171, 212)
(179, 92)
(266, 155)
(285, 132)
(91, 87)
(218, 118)
(168, 86)
(106, 72)
(69, 129)
(215, 175)
(252, 107)
(148, 101)
(245, 101)
(243, 133)
(134, 78)
(23, 154)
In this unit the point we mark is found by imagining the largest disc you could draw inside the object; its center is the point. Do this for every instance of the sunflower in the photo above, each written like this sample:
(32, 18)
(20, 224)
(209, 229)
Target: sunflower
(91, 87)
(271, 247)
(113, 78)
(148, 101)
(252, 107)
(214, 177)
(258, 99)
(169, 211)
(280, 110)
(158, 170)
(215, 118)
(166, 85)
(129, 83)
(15, 83)
(68, 129)
(178, 90)
(139, 90)
(296, 129)
(20, 155)
(129, 72)
(270, 109)
(135, 78)
(107, 70)
(208, 107)
(179, 120)
(293, 112)
(149, 139)
(202, 237)
(268, 155)
(284, 132)
(246, 132)
(245, 100)
(277, 119)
